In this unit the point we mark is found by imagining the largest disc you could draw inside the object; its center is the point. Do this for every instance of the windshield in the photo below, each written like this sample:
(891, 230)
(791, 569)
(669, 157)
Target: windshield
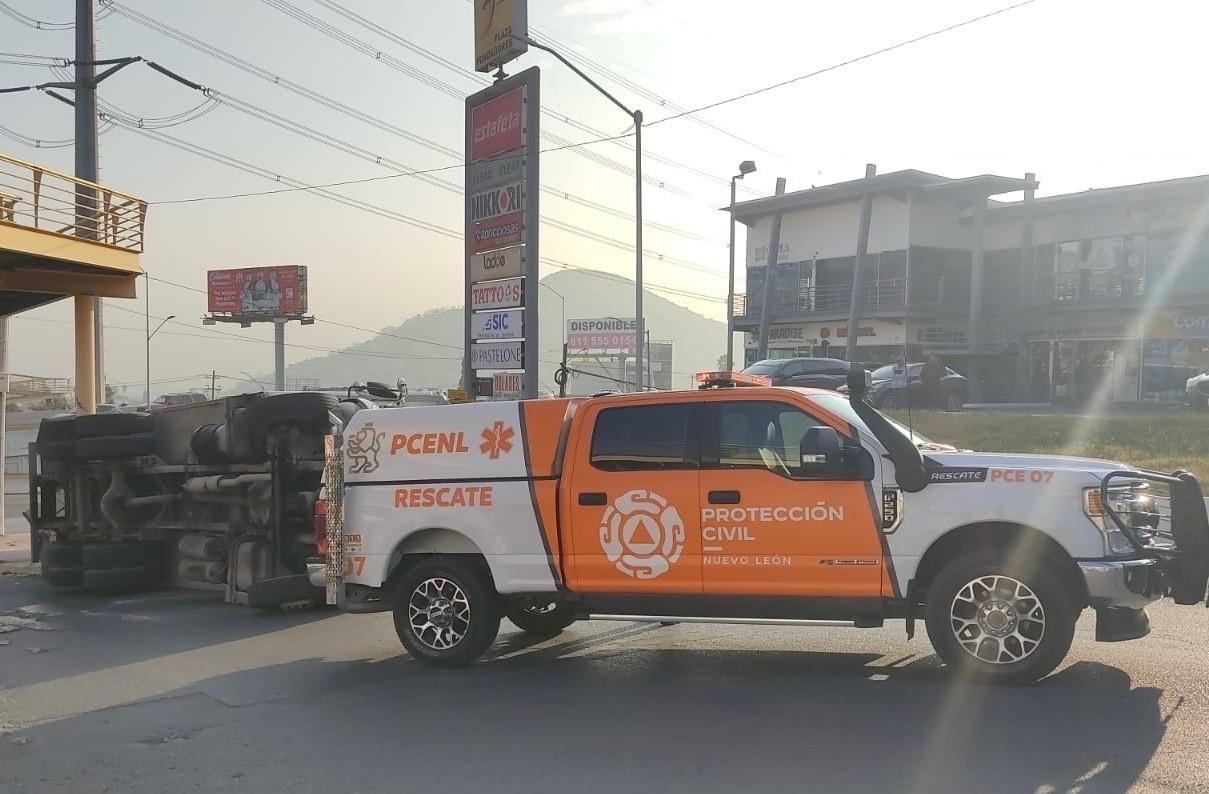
(839, 405)
(764, 368)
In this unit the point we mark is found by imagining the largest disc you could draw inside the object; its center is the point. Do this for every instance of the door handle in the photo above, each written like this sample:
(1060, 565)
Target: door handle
(593, 499)
(724, 497)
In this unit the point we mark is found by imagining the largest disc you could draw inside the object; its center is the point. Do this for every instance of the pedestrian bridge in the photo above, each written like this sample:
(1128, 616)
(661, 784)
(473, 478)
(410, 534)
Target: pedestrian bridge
(61, 236)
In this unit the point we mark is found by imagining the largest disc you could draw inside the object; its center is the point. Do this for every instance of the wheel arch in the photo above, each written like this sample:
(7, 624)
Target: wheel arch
(430, 542)
(997, 537)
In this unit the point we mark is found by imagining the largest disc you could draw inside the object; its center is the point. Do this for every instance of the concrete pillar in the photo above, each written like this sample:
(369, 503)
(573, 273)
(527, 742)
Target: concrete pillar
(279, 353)
(977, 279)
(1028, 289)
(86, 373)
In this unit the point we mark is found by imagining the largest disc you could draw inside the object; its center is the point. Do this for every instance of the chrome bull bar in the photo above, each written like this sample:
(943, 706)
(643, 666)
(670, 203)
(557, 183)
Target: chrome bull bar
(333, 478)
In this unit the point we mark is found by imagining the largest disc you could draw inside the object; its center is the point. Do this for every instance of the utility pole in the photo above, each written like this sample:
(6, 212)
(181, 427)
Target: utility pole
(86, 197)
(774, 250)
(213, 384)
(862, 251)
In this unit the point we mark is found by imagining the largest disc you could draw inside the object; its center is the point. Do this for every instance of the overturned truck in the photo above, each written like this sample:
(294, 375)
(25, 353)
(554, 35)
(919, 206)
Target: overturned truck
(217, 496)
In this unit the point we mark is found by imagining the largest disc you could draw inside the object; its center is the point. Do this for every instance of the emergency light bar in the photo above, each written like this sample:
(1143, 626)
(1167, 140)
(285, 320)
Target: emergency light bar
(714, 379)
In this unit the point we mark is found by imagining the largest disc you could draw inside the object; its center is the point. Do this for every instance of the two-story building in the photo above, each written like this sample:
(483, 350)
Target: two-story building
(1035, 299)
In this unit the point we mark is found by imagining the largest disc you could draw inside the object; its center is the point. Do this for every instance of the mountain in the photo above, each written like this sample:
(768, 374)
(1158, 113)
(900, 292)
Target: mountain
(403, 351)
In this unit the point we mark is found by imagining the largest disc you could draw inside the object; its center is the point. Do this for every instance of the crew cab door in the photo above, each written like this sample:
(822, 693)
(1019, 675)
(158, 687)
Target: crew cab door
(630, 497)
(776, 526)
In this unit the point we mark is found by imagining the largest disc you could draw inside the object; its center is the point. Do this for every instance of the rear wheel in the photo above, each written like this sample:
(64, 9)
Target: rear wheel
(545, 620)
(446, 611)
(1000, 620)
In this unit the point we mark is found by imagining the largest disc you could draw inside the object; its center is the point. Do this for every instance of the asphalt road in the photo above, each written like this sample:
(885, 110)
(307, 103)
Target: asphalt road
(177, 692)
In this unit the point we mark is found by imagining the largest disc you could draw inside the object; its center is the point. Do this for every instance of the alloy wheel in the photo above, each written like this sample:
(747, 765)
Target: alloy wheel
(439, 613)
(997, 619)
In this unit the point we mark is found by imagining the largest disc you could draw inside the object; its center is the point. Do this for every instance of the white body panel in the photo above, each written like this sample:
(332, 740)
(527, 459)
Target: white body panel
(1044, 493)
(411, 473)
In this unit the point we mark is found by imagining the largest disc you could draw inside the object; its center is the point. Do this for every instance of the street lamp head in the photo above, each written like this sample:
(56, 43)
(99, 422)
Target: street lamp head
(746, 167)
(170, 317)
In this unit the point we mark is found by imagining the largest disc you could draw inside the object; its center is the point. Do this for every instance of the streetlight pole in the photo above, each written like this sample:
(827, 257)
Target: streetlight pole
(163, 322)
(636, 117)
(746, 167)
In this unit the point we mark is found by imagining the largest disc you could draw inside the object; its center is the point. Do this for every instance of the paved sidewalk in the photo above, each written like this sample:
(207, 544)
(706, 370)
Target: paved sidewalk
(14, 547)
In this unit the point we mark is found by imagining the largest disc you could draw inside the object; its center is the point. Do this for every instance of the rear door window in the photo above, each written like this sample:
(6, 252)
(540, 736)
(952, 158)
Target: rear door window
(642, 438)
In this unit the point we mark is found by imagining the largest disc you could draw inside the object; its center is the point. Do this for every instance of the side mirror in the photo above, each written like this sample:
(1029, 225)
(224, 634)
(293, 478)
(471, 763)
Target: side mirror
(821, 451)
(859, 381)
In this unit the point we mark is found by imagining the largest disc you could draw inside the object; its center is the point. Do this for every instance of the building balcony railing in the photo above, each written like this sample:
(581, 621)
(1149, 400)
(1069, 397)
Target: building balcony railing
(830, 299)
(36, 197)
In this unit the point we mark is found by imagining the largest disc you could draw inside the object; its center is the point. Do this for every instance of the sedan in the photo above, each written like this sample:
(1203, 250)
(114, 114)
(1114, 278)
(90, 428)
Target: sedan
(818, 373)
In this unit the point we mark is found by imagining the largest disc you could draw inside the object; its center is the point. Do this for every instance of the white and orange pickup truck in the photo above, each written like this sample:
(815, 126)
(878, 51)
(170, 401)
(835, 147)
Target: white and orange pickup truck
(741, 503)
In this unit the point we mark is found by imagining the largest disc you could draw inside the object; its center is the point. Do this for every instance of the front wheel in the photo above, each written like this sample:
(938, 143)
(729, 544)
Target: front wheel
(1003, 621)
(544, 620)
(446, 611)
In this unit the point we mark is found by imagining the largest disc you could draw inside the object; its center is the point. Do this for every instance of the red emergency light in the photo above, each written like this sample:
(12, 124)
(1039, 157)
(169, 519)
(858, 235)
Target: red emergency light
(714, 379)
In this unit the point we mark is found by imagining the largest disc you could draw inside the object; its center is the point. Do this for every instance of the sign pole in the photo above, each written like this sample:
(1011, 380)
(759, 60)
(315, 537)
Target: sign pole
(279, 352)
(532, 208)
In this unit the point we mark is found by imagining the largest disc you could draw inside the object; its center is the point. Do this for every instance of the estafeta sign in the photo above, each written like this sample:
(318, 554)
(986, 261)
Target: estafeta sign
(496, 126)
(502, 263)
(498, 325)
(497, 355)
(504, 294)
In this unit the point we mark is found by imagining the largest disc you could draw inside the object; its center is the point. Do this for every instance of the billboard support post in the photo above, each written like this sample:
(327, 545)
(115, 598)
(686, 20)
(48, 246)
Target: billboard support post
(279, 352)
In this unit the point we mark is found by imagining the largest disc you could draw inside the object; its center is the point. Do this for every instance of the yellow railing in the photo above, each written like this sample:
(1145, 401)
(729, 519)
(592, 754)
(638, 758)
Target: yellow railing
(41, 198)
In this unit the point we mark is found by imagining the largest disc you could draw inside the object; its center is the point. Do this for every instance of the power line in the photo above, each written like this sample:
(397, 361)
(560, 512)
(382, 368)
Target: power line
(866, 56)
(377, 54)
(39, 24)
(481, 80)
(382, 124)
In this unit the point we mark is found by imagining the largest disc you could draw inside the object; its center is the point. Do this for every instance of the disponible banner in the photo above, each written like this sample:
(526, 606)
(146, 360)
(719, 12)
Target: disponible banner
(602, 333)
(276, 291)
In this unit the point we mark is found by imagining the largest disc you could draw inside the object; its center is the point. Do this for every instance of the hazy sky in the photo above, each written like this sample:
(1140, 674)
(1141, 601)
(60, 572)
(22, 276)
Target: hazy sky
(1087, 93)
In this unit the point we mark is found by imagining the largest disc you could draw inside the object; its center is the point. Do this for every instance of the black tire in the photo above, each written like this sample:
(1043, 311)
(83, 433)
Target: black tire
(114, 447)
(305, 408)
(57, 428)
(133, 554)
(97, 425)
(62, 555)
(545, 621)
(63, 577)
(470, 580)
(119, 581)
(1043, 646)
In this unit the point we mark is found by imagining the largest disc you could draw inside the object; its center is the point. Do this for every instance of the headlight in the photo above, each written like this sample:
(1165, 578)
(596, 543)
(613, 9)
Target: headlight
(1115, 541)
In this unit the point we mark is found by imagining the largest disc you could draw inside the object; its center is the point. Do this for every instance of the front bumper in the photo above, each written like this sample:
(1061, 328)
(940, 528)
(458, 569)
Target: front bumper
(1129, 584)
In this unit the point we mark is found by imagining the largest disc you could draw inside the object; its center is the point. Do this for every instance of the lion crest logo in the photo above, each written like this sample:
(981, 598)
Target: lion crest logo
(363, 449)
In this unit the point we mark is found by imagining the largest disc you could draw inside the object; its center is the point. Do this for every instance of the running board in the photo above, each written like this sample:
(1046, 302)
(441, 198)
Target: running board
(741, 621)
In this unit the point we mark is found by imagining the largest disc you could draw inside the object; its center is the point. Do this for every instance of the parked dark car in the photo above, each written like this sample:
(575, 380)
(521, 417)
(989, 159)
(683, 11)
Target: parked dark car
(884, 393)
(818, 373)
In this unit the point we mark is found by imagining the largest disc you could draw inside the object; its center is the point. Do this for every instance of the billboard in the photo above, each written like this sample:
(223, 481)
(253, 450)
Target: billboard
(497, 355)
(501, 263)
(496, 125)
(506, 385)
(602, 333)
(496, 22)
(507, 324)
(276, 291)
(499, 232)
(504, 294)
(500, 315)
(496, 202)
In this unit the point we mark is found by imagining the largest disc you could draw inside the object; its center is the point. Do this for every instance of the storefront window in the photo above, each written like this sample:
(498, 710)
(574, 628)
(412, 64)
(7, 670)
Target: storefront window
(1168, 363)
(1100, 269)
